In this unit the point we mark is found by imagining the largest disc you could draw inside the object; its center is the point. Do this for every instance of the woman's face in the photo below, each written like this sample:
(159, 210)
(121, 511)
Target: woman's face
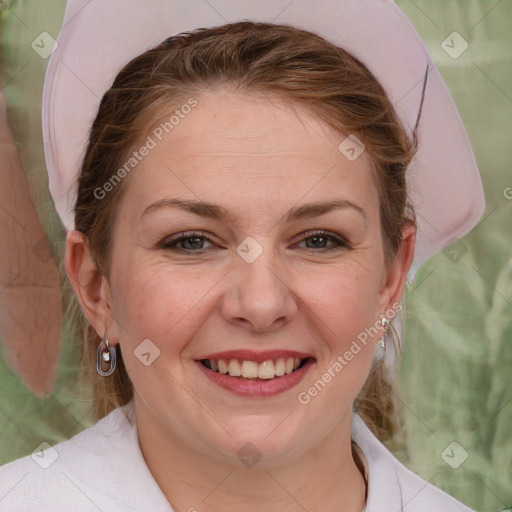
(253, 283)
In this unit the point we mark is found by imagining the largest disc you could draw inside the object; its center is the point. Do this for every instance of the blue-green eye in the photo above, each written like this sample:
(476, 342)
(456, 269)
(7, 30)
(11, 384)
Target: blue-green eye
(319, 240)
(189, 242)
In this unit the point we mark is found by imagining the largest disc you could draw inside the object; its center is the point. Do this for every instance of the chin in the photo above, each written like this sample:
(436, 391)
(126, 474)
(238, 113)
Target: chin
(263, 439)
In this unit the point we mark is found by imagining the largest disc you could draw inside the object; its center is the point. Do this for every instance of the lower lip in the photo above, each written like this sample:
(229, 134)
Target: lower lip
(257, 387)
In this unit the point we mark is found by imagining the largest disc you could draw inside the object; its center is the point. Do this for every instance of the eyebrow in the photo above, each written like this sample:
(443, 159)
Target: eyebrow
(214, 211)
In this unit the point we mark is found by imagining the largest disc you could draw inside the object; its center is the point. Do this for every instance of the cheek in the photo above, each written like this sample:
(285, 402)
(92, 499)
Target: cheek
(345, 298)
(155, 302)
(157, 312)
(343, 304)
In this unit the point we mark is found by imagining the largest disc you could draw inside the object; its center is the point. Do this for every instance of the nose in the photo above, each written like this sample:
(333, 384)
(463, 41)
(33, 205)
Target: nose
(259, 297)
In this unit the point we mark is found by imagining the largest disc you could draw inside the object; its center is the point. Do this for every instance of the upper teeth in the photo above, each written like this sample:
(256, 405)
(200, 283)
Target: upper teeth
(252, 370)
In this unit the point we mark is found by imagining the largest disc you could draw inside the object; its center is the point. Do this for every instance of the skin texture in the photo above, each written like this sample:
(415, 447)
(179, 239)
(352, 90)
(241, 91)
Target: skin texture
(30, 304)
(258, 158)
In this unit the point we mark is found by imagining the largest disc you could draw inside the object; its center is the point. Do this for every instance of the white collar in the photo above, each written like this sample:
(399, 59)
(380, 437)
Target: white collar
(83, 475)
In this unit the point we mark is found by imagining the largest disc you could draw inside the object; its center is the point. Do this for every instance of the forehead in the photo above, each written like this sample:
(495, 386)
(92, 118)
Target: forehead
(234, 147)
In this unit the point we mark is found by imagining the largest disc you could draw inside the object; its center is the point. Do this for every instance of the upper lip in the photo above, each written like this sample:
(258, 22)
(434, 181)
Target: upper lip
(251, 355)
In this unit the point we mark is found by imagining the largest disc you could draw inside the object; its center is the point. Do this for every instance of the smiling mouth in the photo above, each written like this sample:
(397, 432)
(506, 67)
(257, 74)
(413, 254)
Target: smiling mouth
(246, 369)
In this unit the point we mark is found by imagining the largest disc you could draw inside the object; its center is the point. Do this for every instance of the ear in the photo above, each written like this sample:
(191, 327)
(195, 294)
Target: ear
(395, 274)
(91, 286)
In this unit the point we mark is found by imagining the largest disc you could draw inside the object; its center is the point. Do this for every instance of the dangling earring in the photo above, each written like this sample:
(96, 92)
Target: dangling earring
(106, 354)
(384, 322)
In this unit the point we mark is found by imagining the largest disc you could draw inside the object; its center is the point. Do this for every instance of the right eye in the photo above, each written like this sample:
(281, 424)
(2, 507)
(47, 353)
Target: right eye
(191, 241)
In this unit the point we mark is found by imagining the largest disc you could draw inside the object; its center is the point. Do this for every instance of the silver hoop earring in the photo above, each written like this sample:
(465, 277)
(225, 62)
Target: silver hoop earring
(106, 354)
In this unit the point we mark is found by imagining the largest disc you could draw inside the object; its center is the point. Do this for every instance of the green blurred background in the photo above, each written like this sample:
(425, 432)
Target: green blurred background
(456, 384)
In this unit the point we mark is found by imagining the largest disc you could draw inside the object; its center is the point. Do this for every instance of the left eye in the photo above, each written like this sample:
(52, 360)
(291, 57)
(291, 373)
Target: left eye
(319, 239)
(194, 241)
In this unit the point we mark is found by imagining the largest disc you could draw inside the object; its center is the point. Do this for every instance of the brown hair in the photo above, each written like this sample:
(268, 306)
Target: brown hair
(296, 65)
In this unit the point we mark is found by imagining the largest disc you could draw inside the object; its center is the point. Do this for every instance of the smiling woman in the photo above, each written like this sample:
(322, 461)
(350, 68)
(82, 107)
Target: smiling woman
(263, 144)
(256, 254)
(257, 329)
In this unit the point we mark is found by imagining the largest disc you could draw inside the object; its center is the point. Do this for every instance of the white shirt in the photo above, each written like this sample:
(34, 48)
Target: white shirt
(102, 468)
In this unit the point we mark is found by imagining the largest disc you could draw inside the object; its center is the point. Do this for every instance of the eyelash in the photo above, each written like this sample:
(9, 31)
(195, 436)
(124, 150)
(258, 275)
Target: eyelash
(172, 244)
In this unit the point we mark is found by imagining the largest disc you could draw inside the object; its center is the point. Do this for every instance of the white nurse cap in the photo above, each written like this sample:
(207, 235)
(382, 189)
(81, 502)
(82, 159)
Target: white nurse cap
(99, 37)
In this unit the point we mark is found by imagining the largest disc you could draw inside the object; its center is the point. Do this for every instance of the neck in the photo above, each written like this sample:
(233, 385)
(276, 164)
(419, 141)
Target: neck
(322, 478)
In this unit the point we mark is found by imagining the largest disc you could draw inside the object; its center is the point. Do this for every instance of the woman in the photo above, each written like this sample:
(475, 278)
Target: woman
(241, 241)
